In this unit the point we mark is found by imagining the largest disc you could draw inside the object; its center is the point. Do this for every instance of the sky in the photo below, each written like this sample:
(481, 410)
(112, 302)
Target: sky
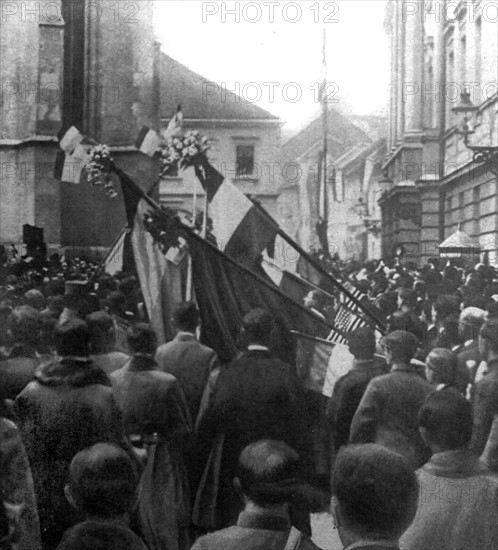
(271, 52)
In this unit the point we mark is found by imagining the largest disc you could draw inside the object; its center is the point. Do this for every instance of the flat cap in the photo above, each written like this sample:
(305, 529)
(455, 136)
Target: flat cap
(473, 316)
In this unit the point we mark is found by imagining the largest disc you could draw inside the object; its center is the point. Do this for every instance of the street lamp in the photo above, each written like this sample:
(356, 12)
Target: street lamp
(467, 110)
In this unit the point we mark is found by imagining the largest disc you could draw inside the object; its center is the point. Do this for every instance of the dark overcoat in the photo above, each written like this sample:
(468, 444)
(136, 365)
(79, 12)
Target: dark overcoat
(256, 397)
(154, 410)
(17, 371)
(346, 397)
(388, 413)
(68, 407)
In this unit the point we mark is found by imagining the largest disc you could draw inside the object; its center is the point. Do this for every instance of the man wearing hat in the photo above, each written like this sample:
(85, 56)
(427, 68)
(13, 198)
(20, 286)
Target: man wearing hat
(388, 412)
(469, 356)
(74, 292)
(257, 397)
(349, 389)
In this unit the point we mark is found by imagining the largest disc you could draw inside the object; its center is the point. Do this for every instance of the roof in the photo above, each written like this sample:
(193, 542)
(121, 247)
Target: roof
(201, 98)
(460, 239)
(342, 136)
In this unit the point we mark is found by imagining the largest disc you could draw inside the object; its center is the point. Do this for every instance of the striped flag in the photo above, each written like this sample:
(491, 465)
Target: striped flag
(71, 160)
(345, 321)
(148, 142)
(321, 363)
(160, 279)
(175, 124)
(114, 259)
(241, 230)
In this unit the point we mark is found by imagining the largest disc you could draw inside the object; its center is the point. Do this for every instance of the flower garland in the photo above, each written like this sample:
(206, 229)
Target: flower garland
(98, 169)
(164, 226)
(183, 152)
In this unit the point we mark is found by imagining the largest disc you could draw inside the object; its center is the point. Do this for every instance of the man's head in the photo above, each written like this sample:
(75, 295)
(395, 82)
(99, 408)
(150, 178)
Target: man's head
(407, 298)
(75, 293)
(446, 305)
(362, 343)
(102, 482)
(186, 317)
(441, 366)
(35, 299)
(72, 338)
(400, 346)
(257, 326)
(488, 339)
(375, 493)
(142, 339)
(470, 322)
(445, 420)
(56, 305)
(265, 470)
(25, 325)
(101, 328)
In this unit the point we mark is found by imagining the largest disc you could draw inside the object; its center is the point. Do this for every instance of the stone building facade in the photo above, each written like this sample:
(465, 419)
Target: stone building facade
(354, 159)
(433, 182)
(94, 65)
(245, 139)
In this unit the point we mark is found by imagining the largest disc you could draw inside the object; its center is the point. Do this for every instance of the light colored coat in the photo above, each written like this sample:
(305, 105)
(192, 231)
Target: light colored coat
(458, 505)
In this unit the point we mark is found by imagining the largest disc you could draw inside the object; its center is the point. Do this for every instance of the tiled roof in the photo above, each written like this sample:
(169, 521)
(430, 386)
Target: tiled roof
(342, 136)
(180, 85)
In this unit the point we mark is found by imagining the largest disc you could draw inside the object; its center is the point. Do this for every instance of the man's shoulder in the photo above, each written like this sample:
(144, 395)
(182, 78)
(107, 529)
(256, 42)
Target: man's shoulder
(175, 345)
(233, 538)
(224, 539)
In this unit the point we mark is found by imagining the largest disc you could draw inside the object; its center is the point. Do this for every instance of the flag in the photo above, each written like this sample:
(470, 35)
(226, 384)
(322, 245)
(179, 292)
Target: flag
(226, 290)
(148, 142)
(114, 259)
(345, 321)
(321, 363)
(70, 139)
(240, 228)
(175, 124)
(71, 159)
(160, 280)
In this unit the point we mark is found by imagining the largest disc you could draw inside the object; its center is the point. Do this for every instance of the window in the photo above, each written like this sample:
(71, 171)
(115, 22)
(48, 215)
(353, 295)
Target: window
(463, 60)
(244, 160)
(478, 50)
(476, 199)
(450, 80)
(73, 12)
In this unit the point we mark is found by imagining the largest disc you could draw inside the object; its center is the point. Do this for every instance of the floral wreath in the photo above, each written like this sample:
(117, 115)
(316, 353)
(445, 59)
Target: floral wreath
(98, 169)
(183, 152)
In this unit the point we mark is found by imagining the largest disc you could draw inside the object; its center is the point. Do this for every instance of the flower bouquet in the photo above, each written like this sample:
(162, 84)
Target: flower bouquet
(183, 152)
(98, 169)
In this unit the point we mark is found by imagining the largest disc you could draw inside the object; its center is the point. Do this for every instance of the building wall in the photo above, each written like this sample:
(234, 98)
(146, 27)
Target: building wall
(460, 46)
(224, 137)
(470, 188)
(117, 97)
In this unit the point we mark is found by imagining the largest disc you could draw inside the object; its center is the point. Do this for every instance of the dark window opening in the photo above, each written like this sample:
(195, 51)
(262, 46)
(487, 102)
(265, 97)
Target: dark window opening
(73, 12)
(244, 160)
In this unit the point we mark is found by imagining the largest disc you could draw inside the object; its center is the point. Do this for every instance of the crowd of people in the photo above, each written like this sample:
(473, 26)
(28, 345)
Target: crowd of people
(109, 440)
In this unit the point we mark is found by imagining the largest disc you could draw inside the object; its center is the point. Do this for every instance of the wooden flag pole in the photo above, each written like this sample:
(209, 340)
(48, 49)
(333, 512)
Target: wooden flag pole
(321, 270)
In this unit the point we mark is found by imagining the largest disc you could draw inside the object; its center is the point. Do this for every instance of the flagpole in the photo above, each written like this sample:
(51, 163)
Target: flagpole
(325, 125)
(126, 180)
(204, 221)
(319, 268)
